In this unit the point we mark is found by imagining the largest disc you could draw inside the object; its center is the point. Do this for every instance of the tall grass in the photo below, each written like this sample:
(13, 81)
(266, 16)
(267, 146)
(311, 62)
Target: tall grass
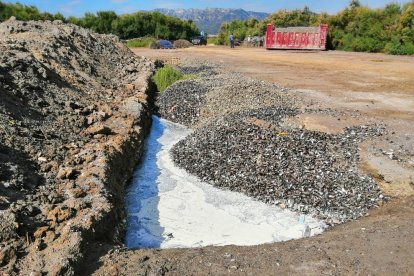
(167, 76)
(213, 40)
(143, 42)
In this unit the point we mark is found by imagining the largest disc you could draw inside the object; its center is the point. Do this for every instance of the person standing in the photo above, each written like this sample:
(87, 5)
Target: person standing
(231, 41)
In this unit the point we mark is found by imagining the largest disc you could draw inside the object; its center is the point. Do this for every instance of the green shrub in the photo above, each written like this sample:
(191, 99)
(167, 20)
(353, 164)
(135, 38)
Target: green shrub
(213, 40)
(143, 42)
(165, 77)
(355, 28)
(395, 47)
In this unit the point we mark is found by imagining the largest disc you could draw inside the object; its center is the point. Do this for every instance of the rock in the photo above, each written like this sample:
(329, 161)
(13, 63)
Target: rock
(133, 107)
(130, 87)
(73, 105)
(40, 232)
(60, 214)
(42, 159)
(99, 129)
(46, 167)
(66, 173)
(77, 193)
(113, 271)
(7, 254)
(8, 225)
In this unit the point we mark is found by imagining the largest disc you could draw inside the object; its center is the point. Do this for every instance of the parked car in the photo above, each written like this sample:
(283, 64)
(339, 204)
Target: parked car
(199, 40)
(166, 44)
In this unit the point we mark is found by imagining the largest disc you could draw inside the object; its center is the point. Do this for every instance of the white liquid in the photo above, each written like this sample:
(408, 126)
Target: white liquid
(169, 208)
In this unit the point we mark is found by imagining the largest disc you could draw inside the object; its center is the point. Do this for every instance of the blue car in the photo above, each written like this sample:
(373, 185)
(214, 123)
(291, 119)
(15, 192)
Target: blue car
(165, 44)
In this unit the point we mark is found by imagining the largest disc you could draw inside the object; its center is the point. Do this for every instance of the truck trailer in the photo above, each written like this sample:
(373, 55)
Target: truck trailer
(296, 38)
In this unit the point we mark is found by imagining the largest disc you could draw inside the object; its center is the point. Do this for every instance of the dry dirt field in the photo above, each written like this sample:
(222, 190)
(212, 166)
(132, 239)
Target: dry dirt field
(372, 88)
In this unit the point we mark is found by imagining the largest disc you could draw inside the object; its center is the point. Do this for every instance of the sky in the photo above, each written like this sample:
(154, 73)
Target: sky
(79, 7)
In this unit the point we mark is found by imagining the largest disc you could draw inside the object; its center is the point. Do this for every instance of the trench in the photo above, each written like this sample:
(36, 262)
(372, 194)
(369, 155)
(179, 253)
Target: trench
(169, 208)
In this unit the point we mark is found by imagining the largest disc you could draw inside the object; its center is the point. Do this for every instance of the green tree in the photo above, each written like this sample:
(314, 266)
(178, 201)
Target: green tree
(103, 22)
(355, 4)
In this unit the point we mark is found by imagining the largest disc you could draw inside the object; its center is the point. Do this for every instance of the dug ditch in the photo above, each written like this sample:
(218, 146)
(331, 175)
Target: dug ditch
(169, 208)
(244, 170)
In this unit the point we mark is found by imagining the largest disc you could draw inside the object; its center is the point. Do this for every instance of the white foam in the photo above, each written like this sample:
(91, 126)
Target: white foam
(169, 208)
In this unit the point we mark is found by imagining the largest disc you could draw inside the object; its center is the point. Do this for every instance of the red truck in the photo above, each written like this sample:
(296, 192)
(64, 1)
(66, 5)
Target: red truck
(301, 38)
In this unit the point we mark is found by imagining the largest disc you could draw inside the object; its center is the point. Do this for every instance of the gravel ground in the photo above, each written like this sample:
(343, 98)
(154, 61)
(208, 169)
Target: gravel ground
(307, 171)
(241, 143)
(216, 93)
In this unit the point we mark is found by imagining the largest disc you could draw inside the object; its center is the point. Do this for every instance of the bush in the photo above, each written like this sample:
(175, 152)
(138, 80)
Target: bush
(395, 47)
(141, 42)
(355, 28)
(182, 43)
(213, 41)
(165, 77)
(125, 26)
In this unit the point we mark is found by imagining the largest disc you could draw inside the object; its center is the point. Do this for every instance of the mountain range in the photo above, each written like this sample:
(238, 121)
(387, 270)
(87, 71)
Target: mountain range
(209, 20)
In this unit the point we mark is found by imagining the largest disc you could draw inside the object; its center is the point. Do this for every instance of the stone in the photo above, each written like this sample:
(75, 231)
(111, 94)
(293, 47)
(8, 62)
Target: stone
(7, 254)
(66, 173)
(42, 159)
(99, 129)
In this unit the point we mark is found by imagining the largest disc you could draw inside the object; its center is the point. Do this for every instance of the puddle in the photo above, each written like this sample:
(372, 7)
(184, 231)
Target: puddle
(169, 208)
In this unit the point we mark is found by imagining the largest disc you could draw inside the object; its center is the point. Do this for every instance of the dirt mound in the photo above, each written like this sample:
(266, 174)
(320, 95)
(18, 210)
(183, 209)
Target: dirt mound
(73, 111)
(182, 43)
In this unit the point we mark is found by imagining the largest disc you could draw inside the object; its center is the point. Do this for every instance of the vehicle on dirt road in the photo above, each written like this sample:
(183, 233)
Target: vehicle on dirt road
(166, 44)
(297, 38)
(199, 40)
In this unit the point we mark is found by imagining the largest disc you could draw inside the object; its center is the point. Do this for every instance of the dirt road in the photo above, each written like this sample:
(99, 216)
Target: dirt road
(367, 88)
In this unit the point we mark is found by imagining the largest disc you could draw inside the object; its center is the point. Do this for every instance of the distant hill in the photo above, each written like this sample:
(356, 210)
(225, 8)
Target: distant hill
(210, 20)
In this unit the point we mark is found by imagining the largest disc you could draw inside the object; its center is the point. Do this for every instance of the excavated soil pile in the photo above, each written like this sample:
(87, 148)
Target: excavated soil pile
(73, 114)
(243, 142)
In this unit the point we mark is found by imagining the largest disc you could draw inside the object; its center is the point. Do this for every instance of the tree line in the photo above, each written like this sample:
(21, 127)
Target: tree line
(126, 26)
(355, 28)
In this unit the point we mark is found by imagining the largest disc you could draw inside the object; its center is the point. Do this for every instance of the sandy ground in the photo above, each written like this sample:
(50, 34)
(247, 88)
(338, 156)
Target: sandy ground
(365, 88)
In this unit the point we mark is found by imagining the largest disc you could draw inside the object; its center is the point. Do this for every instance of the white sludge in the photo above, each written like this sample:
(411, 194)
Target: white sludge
(168, 208)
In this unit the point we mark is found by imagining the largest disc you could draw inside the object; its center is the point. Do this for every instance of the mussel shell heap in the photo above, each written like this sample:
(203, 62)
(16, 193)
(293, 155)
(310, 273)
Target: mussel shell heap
(241, 143)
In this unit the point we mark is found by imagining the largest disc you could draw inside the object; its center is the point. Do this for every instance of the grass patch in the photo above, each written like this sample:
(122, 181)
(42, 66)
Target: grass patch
(142, 42)
(190, 77)
(167, 76)
(213, 40)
